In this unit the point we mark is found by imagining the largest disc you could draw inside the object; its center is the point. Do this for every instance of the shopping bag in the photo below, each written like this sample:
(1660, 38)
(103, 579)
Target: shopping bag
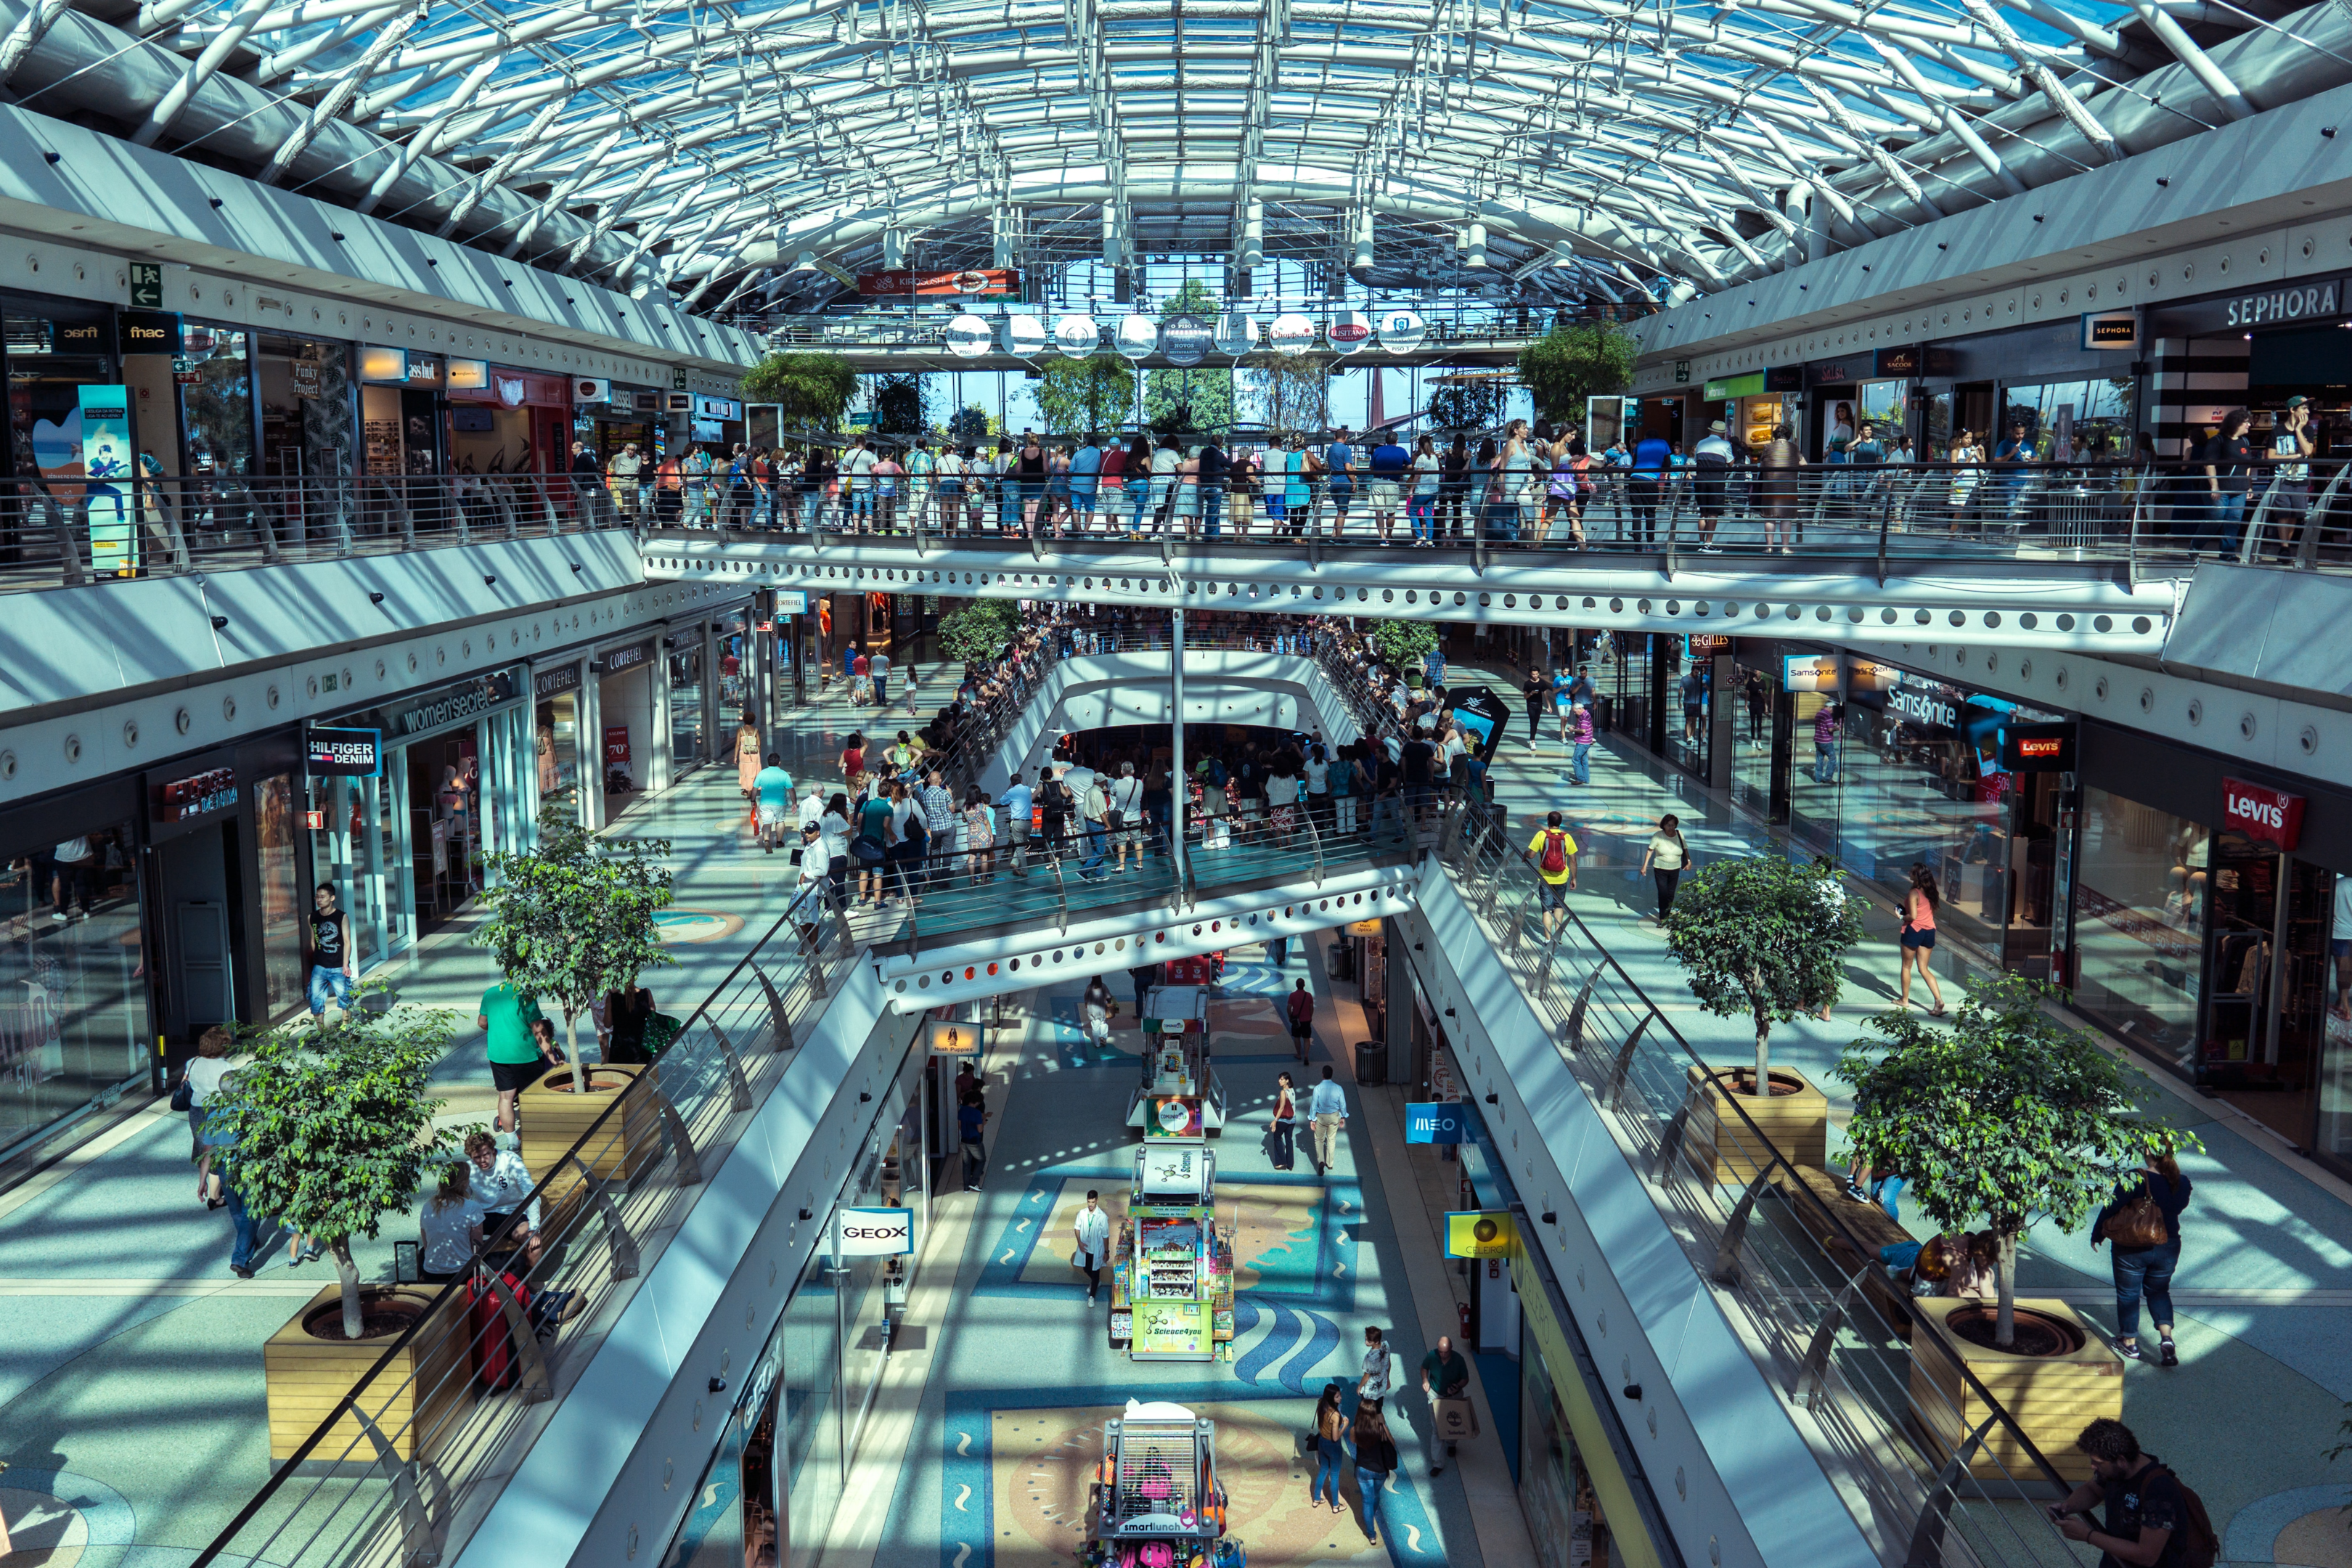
(1457, 1420)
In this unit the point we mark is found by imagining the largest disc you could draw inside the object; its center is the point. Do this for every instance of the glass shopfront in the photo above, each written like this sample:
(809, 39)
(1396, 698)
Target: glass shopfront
(2073, 421)
(1690, 682)
(555, 733)
(52, 348)
(737, 657)
(2141, 883)
(688, 732)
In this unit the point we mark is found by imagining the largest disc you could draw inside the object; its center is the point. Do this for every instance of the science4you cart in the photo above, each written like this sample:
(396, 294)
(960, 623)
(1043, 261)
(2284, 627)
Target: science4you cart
(1156, 1502)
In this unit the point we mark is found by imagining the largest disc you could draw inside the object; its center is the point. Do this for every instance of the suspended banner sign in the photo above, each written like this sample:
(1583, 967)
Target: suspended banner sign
(905, 284)
(969, 337)
(1350, 331)
(1237, 333)
(1291, 333)
(1024, 335)
(1138, 336)
(1077, 336)
(1185, 339)
(874, 1232)
(1402, 330)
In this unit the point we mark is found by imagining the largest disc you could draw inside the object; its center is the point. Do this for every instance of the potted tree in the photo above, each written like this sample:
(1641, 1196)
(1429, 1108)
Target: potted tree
(2007, 1116)
(568, 921)
(330, 1131)
(1764, 938)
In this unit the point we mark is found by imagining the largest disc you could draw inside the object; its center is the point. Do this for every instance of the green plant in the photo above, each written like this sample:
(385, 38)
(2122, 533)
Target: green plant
(332, 1129)
(1291, 392)
(1468, 402)
(977, 632)
(1077, 396)
(810, 389)
(1403, 645)
(901, 403)
(2009, 1116)
(971, 425)
(1572, 362)
(1764, 938)
(573, 918)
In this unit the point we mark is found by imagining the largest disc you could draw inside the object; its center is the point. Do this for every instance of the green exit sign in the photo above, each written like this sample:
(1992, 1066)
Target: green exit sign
(1682, 372)
(146, 286)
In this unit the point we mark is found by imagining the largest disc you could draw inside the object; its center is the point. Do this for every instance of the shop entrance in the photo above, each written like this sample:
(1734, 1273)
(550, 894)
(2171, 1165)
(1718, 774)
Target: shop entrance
(2267, 968)
(1836, 418)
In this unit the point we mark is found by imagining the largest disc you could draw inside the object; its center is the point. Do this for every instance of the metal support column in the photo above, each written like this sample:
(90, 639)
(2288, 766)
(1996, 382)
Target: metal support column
(1179, 796)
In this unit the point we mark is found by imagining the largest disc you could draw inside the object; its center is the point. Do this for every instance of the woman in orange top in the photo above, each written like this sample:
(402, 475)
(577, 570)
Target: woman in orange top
(668, 489)
(1918, 936)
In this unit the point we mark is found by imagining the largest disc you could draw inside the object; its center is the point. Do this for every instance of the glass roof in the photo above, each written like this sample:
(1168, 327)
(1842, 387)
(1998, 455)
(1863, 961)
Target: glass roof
(1558, 143)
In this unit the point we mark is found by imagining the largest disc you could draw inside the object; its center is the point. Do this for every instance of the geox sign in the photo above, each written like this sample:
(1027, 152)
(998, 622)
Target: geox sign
(2309, 301)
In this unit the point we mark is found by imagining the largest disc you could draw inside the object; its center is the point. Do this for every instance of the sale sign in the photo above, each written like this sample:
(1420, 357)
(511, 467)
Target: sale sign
(2264, 815)
(616, 744)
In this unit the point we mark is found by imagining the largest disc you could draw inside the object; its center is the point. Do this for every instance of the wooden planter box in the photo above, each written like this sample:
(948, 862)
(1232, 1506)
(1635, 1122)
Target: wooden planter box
(2051, 1398)
(554, 1119)
(1718, 1144)
(307, 1377)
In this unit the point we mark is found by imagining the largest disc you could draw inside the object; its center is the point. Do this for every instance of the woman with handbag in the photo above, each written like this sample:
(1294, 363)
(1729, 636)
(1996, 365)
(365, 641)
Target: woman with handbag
(1286, 1123)
(1376, 1460)
(1330, 1440)
(2142, 1223)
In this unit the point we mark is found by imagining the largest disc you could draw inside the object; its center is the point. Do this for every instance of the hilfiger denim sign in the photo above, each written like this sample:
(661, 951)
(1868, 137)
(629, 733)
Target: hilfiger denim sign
(2263, 814)
(2307, 301)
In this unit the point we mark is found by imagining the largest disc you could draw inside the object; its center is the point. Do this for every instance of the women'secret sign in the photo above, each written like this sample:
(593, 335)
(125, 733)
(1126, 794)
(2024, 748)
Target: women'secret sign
(2264, 815)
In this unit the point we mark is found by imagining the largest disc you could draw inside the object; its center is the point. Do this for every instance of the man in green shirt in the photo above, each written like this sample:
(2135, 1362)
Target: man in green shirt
(1443, 1375)
(516, 1059)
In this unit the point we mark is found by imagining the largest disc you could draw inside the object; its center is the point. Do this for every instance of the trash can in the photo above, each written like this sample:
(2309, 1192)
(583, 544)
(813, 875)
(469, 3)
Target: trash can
(1372, 1062)
(1340, 960)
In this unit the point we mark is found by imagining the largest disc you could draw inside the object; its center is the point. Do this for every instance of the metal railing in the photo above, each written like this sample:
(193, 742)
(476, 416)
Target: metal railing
(2157, 522)
(890, 324)
(65, 533)
(410, 1458)
(1935, 1470)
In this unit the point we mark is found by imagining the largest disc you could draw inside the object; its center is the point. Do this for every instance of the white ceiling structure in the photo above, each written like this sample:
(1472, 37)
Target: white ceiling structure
(1648, 149)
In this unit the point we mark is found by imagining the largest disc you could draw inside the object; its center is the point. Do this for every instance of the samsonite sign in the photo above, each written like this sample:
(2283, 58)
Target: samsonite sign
(874, 1232)
(2264, 815)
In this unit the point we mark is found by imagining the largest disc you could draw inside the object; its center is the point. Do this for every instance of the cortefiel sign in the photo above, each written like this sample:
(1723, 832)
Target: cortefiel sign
(873, 1233)
(2264, 815)
(342, 753)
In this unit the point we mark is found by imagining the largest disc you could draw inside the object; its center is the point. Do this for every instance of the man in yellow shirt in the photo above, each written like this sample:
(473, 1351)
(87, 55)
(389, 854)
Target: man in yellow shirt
(1553, 850)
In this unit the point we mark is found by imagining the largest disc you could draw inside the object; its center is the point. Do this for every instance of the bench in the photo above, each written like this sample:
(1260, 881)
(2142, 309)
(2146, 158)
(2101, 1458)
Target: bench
(1867, 1224)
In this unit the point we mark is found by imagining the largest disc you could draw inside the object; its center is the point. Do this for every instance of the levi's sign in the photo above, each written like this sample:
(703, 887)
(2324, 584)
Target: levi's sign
(874, 1232)
(2263, 814)
(2307, 302)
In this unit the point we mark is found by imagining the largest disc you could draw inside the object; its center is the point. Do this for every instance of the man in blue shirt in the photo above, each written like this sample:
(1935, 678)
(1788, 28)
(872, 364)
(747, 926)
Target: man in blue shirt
(1215, 474)
(1015, 801)
(1386, 465)
(1646, 487)
(1085, 475)
(1328, 1111)
(1339, 463)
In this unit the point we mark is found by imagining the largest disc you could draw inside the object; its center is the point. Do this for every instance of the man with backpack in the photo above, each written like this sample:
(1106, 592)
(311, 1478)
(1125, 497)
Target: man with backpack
(2152, 1521)
(1553, 849)
(1300, 1007)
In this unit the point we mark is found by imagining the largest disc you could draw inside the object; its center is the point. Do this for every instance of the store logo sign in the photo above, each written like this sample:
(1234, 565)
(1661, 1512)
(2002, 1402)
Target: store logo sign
(874, 1232)
(2263, 814)
(2309, 301)
(1927, 707)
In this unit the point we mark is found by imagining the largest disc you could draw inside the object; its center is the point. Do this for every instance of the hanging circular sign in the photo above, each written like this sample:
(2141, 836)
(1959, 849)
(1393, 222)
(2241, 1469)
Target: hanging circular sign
(969, 337)
(1291, 333)
(1024, 335)
(1138, 336)
(1402, 330)
(1185, 339)
(1350, 331)
(1237, 333)
(1077, 336)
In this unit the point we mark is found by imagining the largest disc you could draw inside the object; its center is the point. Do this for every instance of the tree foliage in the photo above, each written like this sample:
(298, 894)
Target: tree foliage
(901, 403)
(332, 1128)
(573, 918)
(1402, 644)
(1764, 938)
(1177, 402)
(971, 425)
(1290, 394)
(1077, 396)
(1469, 402)
(1571, 363)
(978, 632)
(2009, 1116)
(810, 389)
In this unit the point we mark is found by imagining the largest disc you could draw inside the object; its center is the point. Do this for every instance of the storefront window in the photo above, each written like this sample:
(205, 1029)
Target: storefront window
(2073, 421)
(73, 1004)
(1936, 439)
(2140, 899)
(686, 700)
(734, 667)
(362, 852)
(811, 1378)
(284, 910)
(1564, 1517)
(218, 403)
(306, 405)
(1751, 742)
(712, 1535)
(1690, 682)
(2333, 1136)
(555, 746)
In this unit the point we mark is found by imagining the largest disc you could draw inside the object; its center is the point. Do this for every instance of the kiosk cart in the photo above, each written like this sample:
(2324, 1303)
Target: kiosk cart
(1179, 1095)
(1172, 1277)
(1156, 1501)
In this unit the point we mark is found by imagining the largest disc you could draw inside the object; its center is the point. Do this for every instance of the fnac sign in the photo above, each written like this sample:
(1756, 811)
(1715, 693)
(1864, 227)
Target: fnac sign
(2263, 814)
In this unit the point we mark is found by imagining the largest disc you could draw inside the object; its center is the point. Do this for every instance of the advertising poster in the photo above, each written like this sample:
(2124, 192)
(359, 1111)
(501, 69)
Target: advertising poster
(1174, 1116)
(1172, 1328)
(1480, 1233)
(106, 466)
(873, 1233)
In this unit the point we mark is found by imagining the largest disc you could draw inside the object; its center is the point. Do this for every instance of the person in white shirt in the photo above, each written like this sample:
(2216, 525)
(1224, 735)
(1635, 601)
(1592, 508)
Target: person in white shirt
(1328, 1111)
(500, 1183)
(448, 1227)
(1127, 799)
(1711, 462)
(1092, 1228)
(812, 808)
(1318, 788)
(205, 1072)
(1282, 800)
